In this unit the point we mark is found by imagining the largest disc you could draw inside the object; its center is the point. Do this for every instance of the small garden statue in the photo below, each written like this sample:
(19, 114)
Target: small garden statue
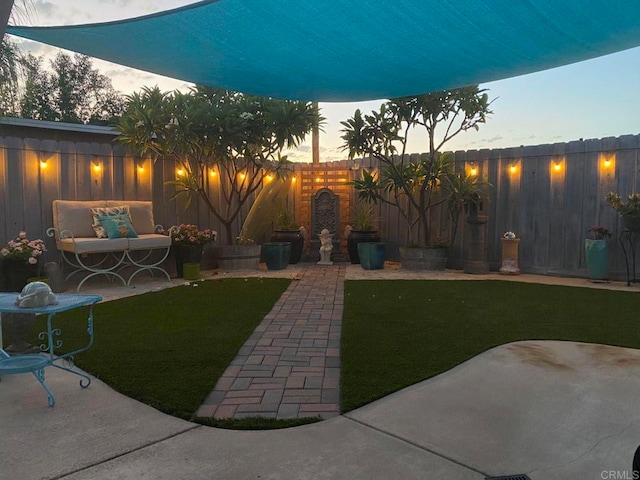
(326, 245)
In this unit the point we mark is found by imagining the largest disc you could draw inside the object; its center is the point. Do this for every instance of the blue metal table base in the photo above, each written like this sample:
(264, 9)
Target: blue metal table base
(36, 363)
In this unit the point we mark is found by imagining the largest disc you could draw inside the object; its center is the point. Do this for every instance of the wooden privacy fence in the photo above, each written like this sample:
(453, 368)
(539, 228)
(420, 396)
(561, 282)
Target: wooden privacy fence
(548, 194)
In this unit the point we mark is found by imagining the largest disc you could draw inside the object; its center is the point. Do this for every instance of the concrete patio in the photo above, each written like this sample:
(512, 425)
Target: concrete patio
(551, 410)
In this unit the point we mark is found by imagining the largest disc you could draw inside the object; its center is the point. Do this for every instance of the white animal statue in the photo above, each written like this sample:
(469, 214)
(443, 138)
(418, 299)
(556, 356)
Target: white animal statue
(36, 294)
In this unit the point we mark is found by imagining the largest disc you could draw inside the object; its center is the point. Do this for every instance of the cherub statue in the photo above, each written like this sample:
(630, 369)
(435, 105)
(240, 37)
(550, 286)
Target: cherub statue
(326, 245)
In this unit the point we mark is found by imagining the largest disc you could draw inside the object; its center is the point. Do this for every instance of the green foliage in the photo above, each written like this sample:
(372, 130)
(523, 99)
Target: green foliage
(241, 137)
(399, 332)
(284, 217)
(630, 207)
(413, 185)
(286, 221)
(72, 91)
(241, 240)
(10, 70)
(168, 348)
(364, 215)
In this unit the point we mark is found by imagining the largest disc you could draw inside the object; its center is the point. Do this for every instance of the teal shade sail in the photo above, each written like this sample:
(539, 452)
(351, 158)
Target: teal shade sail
(353, 50)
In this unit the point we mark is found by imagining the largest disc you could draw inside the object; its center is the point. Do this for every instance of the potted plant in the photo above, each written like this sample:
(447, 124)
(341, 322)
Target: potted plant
(415, 185)
(288, 230)
(364, 220)
(276, 255)
(187, 242)
(244, 254)
(629, 210)
(596, 255)
(372, 255)
(19, 261)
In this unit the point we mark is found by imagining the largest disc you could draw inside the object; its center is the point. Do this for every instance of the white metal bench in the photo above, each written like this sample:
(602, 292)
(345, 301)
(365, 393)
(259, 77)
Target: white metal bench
(84, 253)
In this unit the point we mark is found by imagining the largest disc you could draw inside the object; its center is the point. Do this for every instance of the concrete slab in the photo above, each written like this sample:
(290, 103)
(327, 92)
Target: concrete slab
(552, 410)
(334, 449)
(87, 426)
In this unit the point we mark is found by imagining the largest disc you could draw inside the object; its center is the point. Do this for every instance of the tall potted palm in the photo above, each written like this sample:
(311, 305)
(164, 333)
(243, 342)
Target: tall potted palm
(288, 230)
(364, 222)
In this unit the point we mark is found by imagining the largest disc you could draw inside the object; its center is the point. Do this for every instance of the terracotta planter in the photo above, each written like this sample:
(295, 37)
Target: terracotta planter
(510, 256)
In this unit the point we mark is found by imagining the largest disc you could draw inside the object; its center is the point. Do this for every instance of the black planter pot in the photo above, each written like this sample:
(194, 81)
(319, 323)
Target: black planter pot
(14, 274)
(186, 254)
(295, 238)
(631, 222)
(359, 236)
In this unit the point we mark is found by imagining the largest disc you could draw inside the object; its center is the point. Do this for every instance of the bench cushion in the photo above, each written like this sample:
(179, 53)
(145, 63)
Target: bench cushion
(149, 241)
(93, 245)
(75, 216)
(141, 213)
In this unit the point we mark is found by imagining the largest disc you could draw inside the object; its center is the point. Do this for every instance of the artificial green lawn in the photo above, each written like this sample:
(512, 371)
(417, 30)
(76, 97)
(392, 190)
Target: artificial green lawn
(398, 332)
(168, 348)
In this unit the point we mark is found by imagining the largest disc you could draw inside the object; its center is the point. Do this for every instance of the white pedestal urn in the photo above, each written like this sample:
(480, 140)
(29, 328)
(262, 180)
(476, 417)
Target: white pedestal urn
(510, 256)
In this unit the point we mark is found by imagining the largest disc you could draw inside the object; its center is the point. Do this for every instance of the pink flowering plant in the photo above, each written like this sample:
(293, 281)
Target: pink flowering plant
(21, 248)
(188, 234)
(598, 232)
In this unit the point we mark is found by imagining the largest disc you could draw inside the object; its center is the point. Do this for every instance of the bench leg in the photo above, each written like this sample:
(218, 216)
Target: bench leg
(146, 267)
(101, 266)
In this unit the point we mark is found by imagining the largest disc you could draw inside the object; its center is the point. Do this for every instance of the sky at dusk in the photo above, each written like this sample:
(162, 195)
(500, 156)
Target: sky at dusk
(592, 99)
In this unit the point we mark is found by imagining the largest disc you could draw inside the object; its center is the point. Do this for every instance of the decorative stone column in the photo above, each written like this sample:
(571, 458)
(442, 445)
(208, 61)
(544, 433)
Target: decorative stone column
(475, 246)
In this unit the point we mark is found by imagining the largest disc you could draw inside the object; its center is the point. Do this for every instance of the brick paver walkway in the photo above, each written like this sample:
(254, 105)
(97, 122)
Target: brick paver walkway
(290, 366)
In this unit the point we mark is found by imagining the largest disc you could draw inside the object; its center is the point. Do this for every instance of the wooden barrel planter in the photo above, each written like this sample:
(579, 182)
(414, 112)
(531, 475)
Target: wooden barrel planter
(420, 258)
(238, 257)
